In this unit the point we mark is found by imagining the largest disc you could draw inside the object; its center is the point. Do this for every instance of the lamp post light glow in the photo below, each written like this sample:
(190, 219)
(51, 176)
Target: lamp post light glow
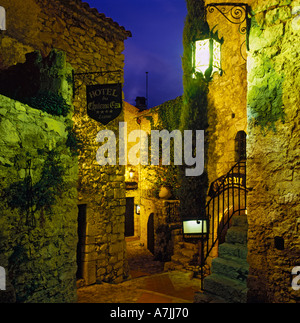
(207, 57)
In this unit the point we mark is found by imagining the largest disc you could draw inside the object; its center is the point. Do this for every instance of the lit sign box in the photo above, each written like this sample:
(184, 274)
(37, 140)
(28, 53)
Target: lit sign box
(194, 228)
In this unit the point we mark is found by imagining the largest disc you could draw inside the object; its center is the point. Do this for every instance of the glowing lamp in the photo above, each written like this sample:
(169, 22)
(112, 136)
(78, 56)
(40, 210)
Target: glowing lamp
(207, 57)
(138, 209)
(193, 228)
(131, 173)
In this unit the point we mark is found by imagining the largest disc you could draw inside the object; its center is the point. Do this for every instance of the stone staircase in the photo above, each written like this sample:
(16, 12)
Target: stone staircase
(228, 280)
(184, 255)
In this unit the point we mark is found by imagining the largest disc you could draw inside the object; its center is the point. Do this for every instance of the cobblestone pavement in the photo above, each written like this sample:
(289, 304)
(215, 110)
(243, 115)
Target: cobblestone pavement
(148, 283)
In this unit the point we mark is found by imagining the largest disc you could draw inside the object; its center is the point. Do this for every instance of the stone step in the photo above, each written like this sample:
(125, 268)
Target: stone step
(205, 297)
(239, 220)
(169, 266)
(231, 267)
(231, 290)
(190, 246)
(233, 250)
(237, 234)
(180, 260)
(188, 253)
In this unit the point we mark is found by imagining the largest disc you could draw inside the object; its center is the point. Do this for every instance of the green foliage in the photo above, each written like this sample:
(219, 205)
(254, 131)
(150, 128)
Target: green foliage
(169, 114)
(192, 192)
(168, 119)
(265, 105)
(49, 102)
(196, 28)
(29, 197)
(73, 142)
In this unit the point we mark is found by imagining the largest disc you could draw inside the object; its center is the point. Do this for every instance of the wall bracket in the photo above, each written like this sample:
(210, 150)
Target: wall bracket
(235, 13)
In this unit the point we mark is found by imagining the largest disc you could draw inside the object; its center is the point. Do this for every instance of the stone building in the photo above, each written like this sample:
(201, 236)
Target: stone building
(252, 115)
(92, 43)
(253, 103)
(257, 94)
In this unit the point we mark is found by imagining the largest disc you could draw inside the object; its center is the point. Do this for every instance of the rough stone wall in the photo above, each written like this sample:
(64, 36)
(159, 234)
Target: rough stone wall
(131, 114)
(227, 98)
(92, 42)
(38, 250)
(273, 150)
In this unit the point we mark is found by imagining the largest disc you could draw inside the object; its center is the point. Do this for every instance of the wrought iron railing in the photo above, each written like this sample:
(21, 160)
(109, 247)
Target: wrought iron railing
(228, 197)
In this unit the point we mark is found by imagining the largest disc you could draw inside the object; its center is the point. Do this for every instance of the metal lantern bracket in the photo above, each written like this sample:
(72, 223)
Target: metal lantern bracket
(235, 13)
(85, 77)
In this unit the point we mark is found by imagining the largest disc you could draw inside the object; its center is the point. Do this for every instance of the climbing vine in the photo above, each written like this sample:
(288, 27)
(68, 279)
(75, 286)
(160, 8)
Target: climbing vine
(166, 175)
(49, 102)
(265, 103)
(194, 107)
(29, 196)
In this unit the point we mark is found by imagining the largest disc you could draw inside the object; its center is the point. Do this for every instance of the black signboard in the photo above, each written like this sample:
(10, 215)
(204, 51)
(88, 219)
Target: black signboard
(104, 102)
(234, 180)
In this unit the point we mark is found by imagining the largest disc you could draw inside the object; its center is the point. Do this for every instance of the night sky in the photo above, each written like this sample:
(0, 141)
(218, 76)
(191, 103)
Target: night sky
(155, 47)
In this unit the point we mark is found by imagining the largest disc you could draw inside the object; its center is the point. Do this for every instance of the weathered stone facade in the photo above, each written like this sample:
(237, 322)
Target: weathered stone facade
(38, 237)
(273, 150)
(261, 98)
(92, 43)
(227, 97)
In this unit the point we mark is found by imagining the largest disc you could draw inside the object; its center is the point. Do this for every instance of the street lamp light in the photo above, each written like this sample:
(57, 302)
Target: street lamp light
(207, 57)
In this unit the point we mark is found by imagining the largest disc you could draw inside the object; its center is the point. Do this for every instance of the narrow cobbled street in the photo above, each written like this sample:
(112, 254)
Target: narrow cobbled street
(148, 283)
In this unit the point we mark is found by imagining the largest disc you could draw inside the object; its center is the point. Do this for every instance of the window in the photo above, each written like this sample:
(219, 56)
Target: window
(240, 146)
(2, 18)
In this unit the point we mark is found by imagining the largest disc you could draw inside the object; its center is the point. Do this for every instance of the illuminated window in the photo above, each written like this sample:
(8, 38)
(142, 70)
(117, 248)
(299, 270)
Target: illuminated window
(207, 57)
(2, 19)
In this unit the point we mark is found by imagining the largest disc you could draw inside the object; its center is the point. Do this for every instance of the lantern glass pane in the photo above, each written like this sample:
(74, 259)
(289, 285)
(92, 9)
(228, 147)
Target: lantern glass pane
(194, 227)
(216, 57)
(202, 55)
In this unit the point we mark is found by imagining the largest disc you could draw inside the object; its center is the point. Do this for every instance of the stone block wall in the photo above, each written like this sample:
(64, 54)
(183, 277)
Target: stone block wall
(38, 246)
(92, 43)
(227, 97)
(273, 150)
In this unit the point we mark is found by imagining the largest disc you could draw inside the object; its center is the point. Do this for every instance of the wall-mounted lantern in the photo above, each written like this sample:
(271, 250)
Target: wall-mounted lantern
(195, 228)
(138, 209)
(131, 184)
(131, 173)
(207, 57)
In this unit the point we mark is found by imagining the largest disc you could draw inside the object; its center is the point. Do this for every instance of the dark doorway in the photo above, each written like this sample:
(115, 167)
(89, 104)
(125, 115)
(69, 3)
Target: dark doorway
(129, 217)
(241, 146)
(81, 239)
(150, 233)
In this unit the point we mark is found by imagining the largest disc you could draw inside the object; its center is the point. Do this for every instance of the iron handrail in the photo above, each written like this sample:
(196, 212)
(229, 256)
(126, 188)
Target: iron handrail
(235, 200)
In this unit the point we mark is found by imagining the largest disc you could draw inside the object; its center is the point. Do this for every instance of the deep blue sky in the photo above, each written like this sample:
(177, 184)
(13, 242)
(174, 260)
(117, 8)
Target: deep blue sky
(155, 47)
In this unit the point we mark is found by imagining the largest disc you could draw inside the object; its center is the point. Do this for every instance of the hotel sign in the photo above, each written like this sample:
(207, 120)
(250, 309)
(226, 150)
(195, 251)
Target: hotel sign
(225, 182)
(104, 102)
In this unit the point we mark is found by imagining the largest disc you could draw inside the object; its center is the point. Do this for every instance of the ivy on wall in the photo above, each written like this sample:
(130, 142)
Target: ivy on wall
(265, 104)
(166, 175)
(49, 102)
(30, 195)
(194, 108)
